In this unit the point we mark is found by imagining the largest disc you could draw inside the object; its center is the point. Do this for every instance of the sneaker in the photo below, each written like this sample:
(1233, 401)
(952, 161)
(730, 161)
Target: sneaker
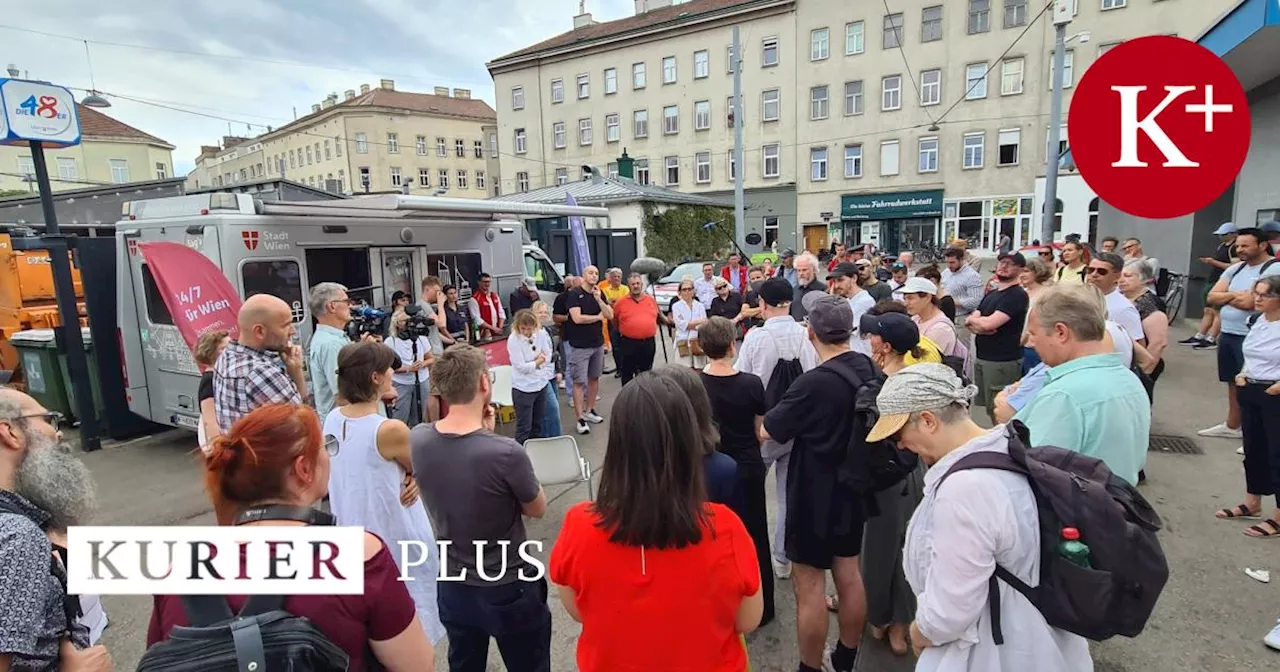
(1272, 640)
(583, 427)
(1240, 450)
(560, 384)
(592, 417)
(827, 665)
(1221, 431)
(1194, 340)
(782, 570)
(1205, 345)
(570, 401)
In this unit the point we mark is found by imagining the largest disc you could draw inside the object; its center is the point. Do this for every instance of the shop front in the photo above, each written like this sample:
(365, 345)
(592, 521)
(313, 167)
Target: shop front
(983, 221)
(894, 222)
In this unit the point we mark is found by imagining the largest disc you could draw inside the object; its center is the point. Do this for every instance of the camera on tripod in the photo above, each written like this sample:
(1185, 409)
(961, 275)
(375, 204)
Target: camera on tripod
(366, 320)
(416, 324)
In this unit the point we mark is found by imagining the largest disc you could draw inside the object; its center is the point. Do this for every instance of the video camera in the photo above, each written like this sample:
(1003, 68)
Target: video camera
(417, 323)
(366, 320)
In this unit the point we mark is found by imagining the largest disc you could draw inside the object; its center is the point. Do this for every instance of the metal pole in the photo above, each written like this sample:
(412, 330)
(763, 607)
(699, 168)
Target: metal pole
(1055, 135)
(68, 314)
(739, 202)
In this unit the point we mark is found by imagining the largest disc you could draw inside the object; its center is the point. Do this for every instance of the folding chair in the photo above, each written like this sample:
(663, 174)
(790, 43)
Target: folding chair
(557, 461)
(500, 376)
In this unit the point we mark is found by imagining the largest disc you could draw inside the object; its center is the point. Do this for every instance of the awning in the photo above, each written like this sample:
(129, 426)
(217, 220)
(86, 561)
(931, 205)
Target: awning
(898, 205)
(1248, 40)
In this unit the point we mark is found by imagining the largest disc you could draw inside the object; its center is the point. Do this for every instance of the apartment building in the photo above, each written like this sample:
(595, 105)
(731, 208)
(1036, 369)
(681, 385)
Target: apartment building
(110, 152)
(378, 140)
(925, 122)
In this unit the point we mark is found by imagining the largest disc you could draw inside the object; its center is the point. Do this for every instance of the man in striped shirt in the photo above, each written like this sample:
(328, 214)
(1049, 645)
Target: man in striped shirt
(962, 283)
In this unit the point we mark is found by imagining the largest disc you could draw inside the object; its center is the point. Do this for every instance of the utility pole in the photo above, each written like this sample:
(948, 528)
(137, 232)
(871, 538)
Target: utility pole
(739, 202)
(1061, 17)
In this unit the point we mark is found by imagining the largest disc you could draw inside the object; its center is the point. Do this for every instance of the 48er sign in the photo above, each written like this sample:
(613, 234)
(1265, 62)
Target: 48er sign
(1159, 127)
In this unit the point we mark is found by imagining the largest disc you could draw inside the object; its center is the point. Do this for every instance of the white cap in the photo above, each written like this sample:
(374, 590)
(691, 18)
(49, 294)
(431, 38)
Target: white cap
(1227, 227)
(918, 284)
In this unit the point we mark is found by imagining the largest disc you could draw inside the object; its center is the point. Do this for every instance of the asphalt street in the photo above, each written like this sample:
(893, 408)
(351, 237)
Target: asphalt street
(1211, 617)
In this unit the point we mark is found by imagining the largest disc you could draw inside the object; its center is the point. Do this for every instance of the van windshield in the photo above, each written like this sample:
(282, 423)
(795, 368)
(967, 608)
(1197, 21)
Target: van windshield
(278, 277)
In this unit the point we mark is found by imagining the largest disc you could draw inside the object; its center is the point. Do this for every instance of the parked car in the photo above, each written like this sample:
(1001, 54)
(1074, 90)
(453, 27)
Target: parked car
(665, 289)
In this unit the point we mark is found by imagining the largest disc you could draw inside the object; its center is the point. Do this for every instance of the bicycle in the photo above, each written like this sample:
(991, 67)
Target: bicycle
(1174, 294)
(928, 253)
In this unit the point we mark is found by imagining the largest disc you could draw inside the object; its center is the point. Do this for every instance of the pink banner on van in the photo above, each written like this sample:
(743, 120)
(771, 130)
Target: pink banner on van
(199, 297)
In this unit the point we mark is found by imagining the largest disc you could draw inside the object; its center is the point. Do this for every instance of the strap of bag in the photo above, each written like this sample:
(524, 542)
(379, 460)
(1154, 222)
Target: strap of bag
(250, 652)
(206, 610)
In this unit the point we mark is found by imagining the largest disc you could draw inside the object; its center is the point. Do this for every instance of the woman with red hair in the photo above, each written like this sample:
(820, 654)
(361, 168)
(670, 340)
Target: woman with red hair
(276, 458)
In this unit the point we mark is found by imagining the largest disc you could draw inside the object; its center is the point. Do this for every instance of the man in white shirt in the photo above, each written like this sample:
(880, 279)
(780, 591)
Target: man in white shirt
(1104, 273)
(961, 283)
(704, 288)
(843, 281)
(780, 338)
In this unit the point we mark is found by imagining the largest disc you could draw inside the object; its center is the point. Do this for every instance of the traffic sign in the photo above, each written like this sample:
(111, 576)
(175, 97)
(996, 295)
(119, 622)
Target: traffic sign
(37, 111)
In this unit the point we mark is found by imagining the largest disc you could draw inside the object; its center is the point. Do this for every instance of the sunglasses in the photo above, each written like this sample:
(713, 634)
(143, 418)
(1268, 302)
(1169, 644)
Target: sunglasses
(1046, 254)
(1093, 270)
(54, 418)
(331, 445)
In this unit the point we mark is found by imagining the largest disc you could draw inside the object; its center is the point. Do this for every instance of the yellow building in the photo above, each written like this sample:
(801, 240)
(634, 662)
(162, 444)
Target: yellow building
(110, 152)
(378, 140)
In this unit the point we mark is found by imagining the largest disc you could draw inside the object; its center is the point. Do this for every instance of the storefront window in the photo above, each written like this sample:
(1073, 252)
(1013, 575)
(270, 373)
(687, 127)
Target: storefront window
(972, 225)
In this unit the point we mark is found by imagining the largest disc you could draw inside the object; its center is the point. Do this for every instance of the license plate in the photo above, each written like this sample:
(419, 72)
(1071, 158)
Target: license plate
(186, 421)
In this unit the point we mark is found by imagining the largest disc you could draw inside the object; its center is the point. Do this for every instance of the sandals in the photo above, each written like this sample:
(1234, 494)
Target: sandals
(1240, 511)
(833, 603)
(1271, 529)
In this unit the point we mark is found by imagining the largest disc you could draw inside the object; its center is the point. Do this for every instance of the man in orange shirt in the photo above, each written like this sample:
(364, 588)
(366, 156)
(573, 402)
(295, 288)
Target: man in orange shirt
(637, 317)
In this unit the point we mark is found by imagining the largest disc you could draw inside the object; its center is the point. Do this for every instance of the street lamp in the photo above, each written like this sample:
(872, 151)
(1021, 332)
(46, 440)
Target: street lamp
(1062, 11)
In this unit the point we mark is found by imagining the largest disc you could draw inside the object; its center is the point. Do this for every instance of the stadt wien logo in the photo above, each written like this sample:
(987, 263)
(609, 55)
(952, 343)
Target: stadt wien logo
(1159, 127)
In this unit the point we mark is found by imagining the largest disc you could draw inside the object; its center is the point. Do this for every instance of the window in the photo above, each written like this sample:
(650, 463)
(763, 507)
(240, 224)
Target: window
(280, 278)
(162, 170)
(931, 24)
(979, 16)
(440, 145)
(892, 31)
(819, 44)
(365, 177)
(852, 98)
(928, 155)
(768, 52)
(293, 164)
(818, 105)
(1113, 4)
(974, 146)
(612, 169)
(853, 161)
(891, 93)
(462, 179)
(1104, 48)
(770, 231)
(1011, 77)
(362, 145)
(317, 152)
(520, 142)
(610, 81)
(424, 177)
(443, 177)
(562, 176)
(337, 145)
(393, 146)
(67, 169)
(669, 70)
(670, 120)
(1015, 13)
(420, 144)
(673, 170)
(517, 97)
(733, 166)
(522, 181)
(975, 81)
(1007, 147)
(854, 42)
(327, 149)
(889, 157)
(701, 64)
(557, 135)
(493, 145)
(478, 148)
(612, 129)
(557, 91)
(930, 87)
(702, 115)
(119, 171)
(396, 180)
(584, 132)
(642, 171)
(460, 148)
(817, 164)
(771, 156)
(702, 167)
(1068, 69)
(770, 105)
(584, 86)
(342, 180)
(640, 124)
(637, 76)
(480, 179)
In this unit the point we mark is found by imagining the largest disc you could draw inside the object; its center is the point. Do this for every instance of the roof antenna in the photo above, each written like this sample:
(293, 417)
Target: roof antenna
(582, 7)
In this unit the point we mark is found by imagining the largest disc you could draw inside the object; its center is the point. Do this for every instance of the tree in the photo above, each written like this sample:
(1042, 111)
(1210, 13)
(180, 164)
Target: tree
(680, 233)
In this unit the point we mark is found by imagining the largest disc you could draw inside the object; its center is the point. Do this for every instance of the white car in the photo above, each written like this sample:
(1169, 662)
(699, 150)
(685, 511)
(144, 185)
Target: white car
(665, 289)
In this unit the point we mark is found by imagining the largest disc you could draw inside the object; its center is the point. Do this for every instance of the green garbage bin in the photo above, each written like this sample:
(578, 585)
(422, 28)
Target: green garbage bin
(38, 351)
(94, 383)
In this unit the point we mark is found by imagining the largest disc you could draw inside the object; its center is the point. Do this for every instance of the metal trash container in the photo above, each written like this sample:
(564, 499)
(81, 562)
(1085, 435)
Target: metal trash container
(38, 352)
(94, 381)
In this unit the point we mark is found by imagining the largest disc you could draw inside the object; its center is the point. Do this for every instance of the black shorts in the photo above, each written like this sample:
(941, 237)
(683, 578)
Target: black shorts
(807, 546)
(1230, 357)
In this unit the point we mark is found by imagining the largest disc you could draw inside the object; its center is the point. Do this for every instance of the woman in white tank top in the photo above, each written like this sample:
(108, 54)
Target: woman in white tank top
(371, 482)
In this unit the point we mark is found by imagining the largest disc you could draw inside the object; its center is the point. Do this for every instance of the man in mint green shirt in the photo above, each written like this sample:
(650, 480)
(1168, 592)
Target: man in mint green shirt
(331, 307)
(1091, 403)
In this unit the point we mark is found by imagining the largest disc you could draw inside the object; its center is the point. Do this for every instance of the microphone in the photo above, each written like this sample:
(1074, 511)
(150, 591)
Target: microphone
(651, 267)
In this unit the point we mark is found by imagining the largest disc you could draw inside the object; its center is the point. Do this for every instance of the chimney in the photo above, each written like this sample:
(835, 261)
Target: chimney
(643, 6)
(584, 20)
(462, 94)
(327, 103)
(626, 165)
(315, 108)
(350, 94)
(387, 84)
(364, 88)
(442, 91)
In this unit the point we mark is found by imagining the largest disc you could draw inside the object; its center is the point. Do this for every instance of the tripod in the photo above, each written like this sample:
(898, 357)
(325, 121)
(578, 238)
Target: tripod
(662, 328)
(415, 397)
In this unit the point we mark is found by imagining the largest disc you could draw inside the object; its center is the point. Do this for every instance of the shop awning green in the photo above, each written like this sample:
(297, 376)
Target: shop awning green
(897, 205)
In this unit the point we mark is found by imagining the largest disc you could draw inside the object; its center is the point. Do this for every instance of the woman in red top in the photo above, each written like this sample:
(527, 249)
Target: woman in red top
(276, 455)
(659, 578)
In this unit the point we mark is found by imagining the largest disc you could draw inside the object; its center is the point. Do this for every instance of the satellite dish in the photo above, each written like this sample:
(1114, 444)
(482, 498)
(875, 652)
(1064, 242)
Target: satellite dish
(753, 238)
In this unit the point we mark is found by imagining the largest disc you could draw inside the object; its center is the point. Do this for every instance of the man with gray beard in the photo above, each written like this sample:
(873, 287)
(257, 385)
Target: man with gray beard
(44, 489)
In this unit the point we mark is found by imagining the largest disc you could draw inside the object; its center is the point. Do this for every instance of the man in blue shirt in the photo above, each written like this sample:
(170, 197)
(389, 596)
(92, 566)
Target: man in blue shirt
(331, 307)
(1091, 403)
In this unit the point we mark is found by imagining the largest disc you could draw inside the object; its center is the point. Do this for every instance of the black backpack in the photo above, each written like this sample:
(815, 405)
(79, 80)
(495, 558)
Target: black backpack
(869, 468)
(785, 372)
(1128, 569)
(261, 638)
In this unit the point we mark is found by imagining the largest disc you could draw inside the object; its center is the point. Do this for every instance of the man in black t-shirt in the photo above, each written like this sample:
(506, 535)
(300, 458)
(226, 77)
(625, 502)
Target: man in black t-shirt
(584, 332)
(997, 327)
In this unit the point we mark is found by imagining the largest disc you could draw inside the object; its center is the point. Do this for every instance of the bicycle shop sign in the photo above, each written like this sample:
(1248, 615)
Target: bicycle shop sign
(37, 111)
(900, 205)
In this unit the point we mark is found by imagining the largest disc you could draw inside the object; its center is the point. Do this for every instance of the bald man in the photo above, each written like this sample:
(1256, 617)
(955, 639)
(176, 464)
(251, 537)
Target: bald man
(587, 308)
(263, 367)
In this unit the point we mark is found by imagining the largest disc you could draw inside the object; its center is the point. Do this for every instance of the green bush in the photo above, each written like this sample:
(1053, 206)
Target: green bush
(679, 234)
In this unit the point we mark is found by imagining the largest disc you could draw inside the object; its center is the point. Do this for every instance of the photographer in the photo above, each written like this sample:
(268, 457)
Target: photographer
(409, 341)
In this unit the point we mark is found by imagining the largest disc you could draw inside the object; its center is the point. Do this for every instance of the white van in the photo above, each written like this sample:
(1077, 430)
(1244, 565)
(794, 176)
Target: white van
(374, 245)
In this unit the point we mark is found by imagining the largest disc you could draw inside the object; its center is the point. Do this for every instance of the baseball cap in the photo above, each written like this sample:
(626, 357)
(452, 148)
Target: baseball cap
(843, 270)
(919, 387)
(1015, 257)
(895, 328)
(398, 295)
(788, 252)
(919, 284)
(864, 262)
(1272, 226)
(530, 283)
(776, 292)
(1227, 227)
(830, 318)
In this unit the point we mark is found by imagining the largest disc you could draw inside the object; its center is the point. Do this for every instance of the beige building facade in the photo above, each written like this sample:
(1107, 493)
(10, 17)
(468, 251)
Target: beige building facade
(377, 140)
(110, 152)
(924, 123)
